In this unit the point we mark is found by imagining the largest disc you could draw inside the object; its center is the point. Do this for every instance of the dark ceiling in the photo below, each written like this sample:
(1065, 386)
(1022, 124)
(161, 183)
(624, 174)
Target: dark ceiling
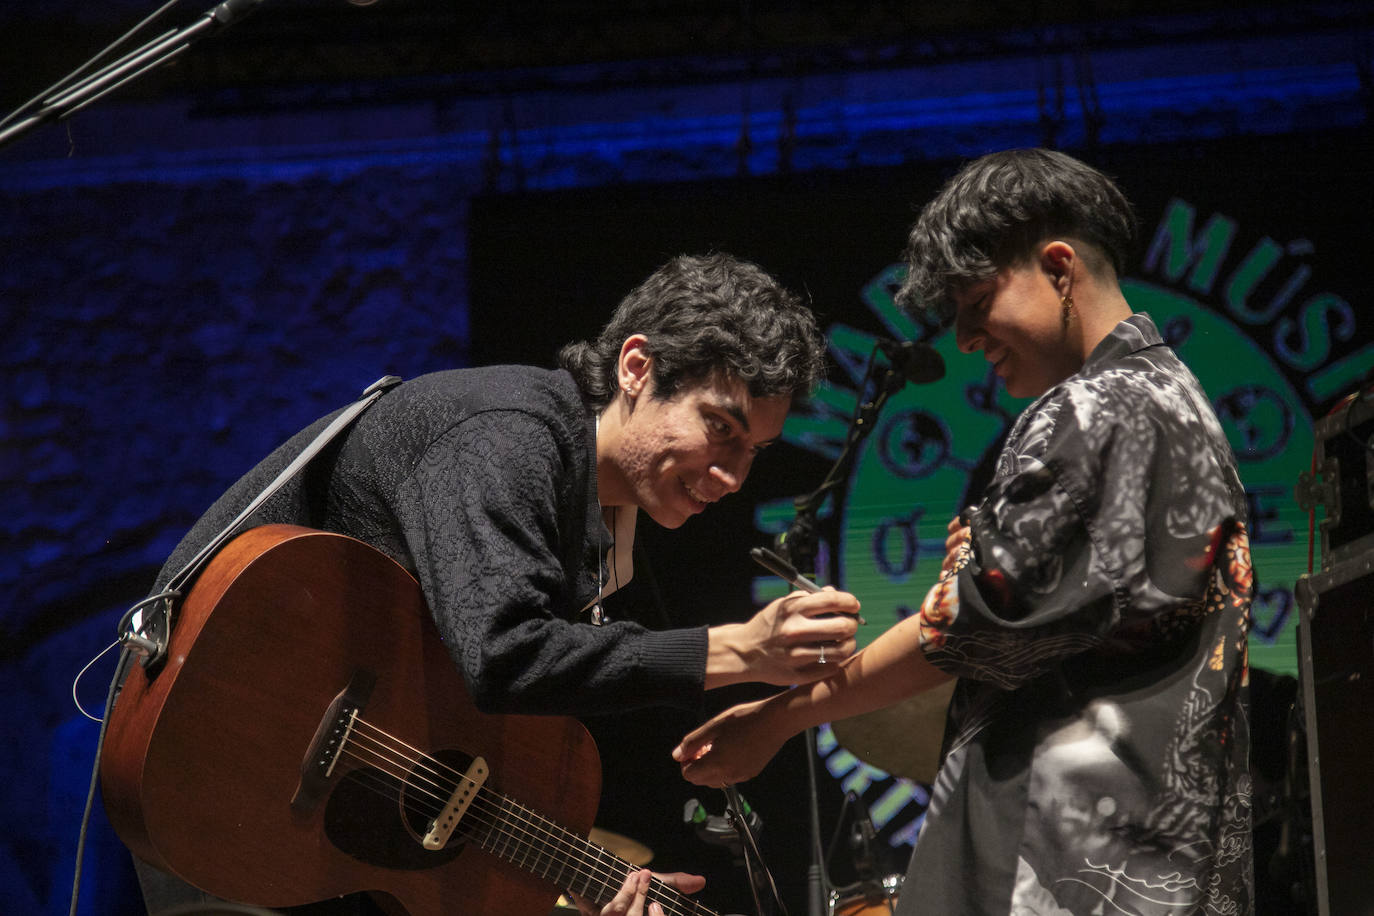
(345, 49)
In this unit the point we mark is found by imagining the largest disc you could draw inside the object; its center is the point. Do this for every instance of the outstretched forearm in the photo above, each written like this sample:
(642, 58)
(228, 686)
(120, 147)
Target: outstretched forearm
(736, 744)
(891, 669)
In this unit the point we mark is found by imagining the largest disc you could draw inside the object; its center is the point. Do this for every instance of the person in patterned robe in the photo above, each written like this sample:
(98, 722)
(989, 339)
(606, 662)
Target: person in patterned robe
(1093, 602)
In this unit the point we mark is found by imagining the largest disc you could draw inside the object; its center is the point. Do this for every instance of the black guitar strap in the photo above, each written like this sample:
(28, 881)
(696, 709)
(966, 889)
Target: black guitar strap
(146, 628)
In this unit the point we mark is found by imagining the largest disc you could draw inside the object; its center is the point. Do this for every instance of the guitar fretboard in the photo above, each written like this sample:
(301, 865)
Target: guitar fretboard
(572, 863)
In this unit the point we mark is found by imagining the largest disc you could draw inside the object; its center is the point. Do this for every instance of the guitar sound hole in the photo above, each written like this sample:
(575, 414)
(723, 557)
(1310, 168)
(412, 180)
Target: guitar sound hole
(376, 818)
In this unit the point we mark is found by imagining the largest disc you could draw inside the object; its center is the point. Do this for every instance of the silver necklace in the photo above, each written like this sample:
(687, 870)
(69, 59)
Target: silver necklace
(598, 612)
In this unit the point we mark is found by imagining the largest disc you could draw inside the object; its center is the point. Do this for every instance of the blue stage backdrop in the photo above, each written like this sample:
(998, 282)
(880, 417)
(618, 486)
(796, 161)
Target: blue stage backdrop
(183, 286)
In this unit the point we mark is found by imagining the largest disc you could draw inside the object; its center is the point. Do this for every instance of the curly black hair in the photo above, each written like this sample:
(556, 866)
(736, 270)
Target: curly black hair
(701, 317)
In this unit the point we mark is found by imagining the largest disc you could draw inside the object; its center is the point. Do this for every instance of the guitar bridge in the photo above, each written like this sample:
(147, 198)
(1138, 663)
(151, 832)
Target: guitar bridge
(318, 765)
(441, 828)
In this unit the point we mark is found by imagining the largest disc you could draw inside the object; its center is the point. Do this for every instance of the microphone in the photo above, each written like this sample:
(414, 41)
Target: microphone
(717, 829)
(919, 363)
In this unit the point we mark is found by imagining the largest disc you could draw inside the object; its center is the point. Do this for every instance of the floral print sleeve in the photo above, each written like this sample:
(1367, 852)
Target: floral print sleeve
(1079, 543)
(1095, 759)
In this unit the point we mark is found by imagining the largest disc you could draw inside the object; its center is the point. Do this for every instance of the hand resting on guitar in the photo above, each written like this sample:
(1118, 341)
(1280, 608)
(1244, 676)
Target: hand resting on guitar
(633, 897)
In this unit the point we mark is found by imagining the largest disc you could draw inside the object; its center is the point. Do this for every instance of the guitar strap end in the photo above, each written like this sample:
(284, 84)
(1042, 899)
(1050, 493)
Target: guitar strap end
(147, 627)
(145, 631)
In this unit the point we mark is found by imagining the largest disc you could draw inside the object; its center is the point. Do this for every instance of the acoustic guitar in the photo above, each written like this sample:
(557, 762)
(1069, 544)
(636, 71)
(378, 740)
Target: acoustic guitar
(309, 736)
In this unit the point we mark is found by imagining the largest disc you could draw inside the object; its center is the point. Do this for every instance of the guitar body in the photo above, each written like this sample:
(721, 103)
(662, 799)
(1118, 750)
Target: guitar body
(201, 762)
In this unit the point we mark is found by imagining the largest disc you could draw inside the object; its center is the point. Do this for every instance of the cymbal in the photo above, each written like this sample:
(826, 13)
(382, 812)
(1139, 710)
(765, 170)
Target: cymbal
(902, 739)
(631, 851)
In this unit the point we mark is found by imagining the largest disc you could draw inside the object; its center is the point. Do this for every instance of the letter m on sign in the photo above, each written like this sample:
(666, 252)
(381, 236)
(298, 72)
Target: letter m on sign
(1174, 248)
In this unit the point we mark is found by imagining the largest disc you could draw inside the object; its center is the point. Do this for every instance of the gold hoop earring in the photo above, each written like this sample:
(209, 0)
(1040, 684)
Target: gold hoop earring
(1066, 307)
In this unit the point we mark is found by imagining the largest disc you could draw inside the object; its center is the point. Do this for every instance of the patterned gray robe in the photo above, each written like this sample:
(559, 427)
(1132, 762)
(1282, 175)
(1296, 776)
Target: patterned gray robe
(1096, 757)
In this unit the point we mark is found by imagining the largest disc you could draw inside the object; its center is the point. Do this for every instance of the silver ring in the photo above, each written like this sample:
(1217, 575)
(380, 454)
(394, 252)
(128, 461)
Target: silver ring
(822, 658)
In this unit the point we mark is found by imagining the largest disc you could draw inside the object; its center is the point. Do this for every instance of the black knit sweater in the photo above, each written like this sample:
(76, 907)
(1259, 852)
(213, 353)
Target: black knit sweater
(482, 482)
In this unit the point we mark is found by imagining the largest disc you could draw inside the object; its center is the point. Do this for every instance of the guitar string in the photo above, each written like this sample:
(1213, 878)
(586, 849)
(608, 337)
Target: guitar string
(611, 879)
(492, 836)
(417, 764)
(666, 894)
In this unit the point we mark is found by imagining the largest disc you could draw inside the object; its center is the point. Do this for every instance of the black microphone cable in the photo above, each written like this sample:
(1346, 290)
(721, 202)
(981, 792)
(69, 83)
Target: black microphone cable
(735, 811)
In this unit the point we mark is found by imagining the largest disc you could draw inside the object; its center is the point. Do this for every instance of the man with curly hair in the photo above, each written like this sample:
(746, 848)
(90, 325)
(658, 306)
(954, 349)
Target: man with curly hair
(512, 492)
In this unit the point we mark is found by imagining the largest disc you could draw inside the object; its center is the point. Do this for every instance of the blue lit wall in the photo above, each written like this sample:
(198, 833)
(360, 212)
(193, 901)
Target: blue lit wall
(181, 290)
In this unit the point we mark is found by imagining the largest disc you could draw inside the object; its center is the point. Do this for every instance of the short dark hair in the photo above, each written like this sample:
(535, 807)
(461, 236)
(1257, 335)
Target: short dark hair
(995, 210)
(701, 317)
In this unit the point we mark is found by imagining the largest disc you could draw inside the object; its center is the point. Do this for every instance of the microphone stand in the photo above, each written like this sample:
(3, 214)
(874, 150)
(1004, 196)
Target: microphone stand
(799, 545)
(62, 101)
(817, 881)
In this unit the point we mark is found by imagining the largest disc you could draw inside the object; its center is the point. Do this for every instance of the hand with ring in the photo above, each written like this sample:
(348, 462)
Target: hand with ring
(778, 645)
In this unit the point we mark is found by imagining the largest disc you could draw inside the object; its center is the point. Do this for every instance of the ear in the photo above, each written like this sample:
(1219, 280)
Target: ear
(632, 369)
(1059, 261)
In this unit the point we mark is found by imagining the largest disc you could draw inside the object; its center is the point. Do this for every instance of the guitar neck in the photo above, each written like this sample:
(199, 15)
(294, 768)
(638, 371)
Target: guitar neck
(536, 844)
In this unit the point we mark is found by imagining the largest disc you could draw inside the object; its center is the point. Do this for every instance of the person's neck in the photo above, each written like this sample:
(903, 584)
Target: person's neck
(1099, 314)
(611, 489)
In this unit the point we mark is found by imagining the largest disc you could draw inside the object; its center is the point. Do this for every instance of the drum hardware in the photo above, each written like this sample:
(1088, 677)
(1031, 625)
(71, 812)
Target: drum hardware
(874, 893)
(870, 898)
(862, 838)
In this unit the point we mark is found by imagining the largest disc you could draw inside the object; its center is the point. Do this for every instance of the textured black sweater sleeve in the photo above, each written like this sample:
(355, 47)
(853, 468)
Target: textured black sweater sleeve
(484, 515)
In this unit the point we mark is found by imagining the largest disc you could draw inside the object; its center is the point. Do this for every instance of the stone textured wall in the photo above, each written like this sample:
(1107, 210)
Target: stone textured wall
(167, 334)
(158, 338)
